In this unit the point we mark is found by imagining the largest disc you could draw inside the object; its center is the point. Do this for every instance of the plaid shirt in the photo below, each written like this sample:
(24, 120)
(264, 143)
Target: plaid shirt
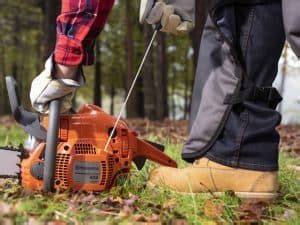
(78, 26)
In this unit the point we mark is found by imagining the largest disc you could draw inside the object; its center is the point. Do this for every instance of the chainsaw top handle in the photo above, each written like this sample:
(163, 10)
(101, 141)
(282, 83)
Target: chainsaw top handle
(51, 145)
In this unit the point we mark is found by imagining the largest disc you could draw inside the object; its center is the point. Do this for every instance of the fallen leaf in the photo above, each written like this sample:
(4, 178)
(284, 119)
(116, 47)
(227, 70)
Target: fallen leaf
(34, 221)
(6, 221)
(130, 202)
(57, 222)
(126, 211)
(289, 214)
(112, 204)
(252, 211)
(5, 208)
(145, 223)
(179, 222)
(296, 169)
(290, 139)
(213, 210)
(153, 218)
(95, 223)
(171, 204)
(139, 218)
(89, 199)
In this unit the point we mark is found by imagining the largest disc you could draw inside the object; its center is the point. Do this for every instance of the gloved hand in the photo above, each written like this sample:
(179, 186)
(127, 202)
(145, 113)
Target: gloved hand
(175, 16)
(49, 86)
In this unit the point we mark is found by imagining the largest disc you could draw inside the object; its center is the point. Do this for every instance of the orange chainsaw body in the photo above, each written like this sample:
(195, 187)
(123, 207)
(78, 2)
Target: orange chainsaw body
(81, 162)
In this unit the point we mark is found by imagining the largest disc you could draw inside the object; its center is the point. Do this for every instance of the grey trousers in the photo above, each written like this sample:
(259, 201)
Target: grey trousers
(246, 136)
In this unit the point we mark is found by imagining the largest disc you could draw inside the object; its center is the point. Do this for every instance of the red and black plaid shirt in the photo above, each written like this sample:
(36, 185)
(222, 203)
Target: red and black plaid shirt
(78, 25)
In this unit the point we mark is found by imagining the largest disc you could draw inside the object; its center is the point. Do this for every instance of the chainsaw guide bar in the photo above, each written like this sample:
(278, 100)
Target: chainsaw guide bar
(11, 159)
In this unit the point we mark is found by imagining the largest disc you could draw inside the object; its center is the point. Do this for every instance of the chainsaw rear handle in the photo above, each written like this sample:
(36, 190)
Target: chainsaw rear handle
(51, 146)
(148, 151)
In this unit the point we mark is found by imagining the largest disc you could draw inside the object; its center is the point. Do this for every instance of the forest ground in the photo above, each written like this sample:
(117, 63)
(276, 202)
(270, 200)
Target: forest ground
(134, 203)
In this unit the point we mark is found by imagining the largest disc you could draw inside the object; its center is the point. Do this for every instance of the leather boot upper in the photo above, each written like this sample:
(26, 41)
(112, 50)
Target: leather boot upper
(205, 175)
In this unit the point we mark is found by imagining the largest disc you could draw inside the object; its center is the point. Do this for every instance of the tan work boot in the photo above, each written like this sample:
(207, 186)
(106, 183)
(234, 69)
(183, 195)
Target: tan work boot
(207, 176)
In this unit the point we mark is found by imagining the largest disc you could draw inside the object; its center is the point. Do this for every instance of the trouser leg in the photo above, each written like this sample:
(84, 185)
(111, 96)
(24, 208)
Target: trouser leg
(249, 139)
(291, 18)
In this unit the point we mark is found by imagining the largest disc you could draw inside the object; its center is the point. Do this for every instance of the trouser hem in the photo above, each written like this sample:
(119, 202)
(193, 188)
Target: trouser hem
(242, 165)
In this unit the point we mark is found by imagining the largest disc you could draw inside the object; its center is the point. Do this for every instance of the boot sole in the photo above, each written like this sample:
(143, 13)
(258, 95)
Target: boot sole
(252, 195)
(255, 196)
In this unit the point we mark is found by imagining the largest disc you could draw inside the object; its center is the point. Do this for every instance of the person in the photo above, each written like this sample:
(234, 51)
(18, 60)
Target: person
(233, 142)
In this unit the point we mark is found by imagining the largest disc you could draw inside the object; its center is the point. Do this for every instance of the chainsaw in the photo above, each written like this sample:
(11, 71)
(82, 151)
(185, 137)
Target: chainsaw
(71, 151)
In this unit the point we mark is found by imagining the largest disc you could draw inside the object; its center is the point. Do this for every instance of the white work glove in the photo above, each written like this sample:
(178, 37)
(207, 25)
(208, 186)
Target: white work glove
(45, 88)
(174, 16)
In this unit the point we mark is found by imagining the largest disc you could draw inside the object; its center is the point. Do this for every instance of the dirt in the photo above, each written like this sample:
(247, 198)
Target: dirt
(290, 138)
(174, 131)
(7, 121)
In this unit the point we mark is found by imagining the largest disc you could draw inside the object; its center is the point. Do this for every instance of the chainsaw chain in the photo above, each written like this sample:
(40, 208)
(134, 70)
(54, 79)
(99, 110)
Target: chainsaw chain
(12, 149)
(24, 153)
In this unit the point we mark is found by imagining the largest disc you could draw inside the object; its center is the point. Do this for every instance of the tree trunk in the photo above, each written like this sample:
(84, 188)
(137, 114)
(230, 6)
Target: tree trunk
(3, 98)
(148, 80)
(16, 59)
(162, 109)
(134, 106)
(112, 99)
(97, 75)
(186, 95)
(39, 53)
(173, 87)
(3, 61)
(196, 34)
(51, 11)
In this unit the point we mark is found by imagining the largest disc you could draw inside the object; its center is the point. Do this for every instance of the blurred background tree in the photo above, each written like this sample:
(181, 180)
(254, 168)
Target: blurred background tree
(27, 37)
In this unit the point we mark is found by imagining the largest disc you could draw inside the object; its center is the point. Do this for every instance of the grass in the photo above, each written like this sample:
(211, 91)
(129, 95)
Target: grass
(158, 204)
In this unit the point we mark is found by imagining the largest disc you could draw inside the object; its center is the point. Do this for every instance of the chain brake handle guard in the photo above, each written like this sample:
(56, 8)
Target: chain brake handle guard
(30, 122)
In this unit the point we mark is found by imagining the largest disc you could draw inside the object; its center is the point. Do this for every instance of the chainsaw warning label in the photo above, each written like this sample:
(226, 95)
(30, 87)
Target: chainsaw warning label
(86, 172)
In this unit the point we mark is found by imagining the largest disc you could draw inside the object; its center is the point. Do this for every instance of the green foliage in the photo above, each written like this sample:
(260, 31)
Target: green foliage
(20, 45)
(11, 136)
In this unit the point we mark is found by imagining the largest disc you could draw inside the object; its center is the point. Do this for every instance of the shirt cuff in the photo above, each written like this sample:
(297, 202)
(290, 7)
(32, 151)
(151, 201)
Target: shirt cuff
(68, 51)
